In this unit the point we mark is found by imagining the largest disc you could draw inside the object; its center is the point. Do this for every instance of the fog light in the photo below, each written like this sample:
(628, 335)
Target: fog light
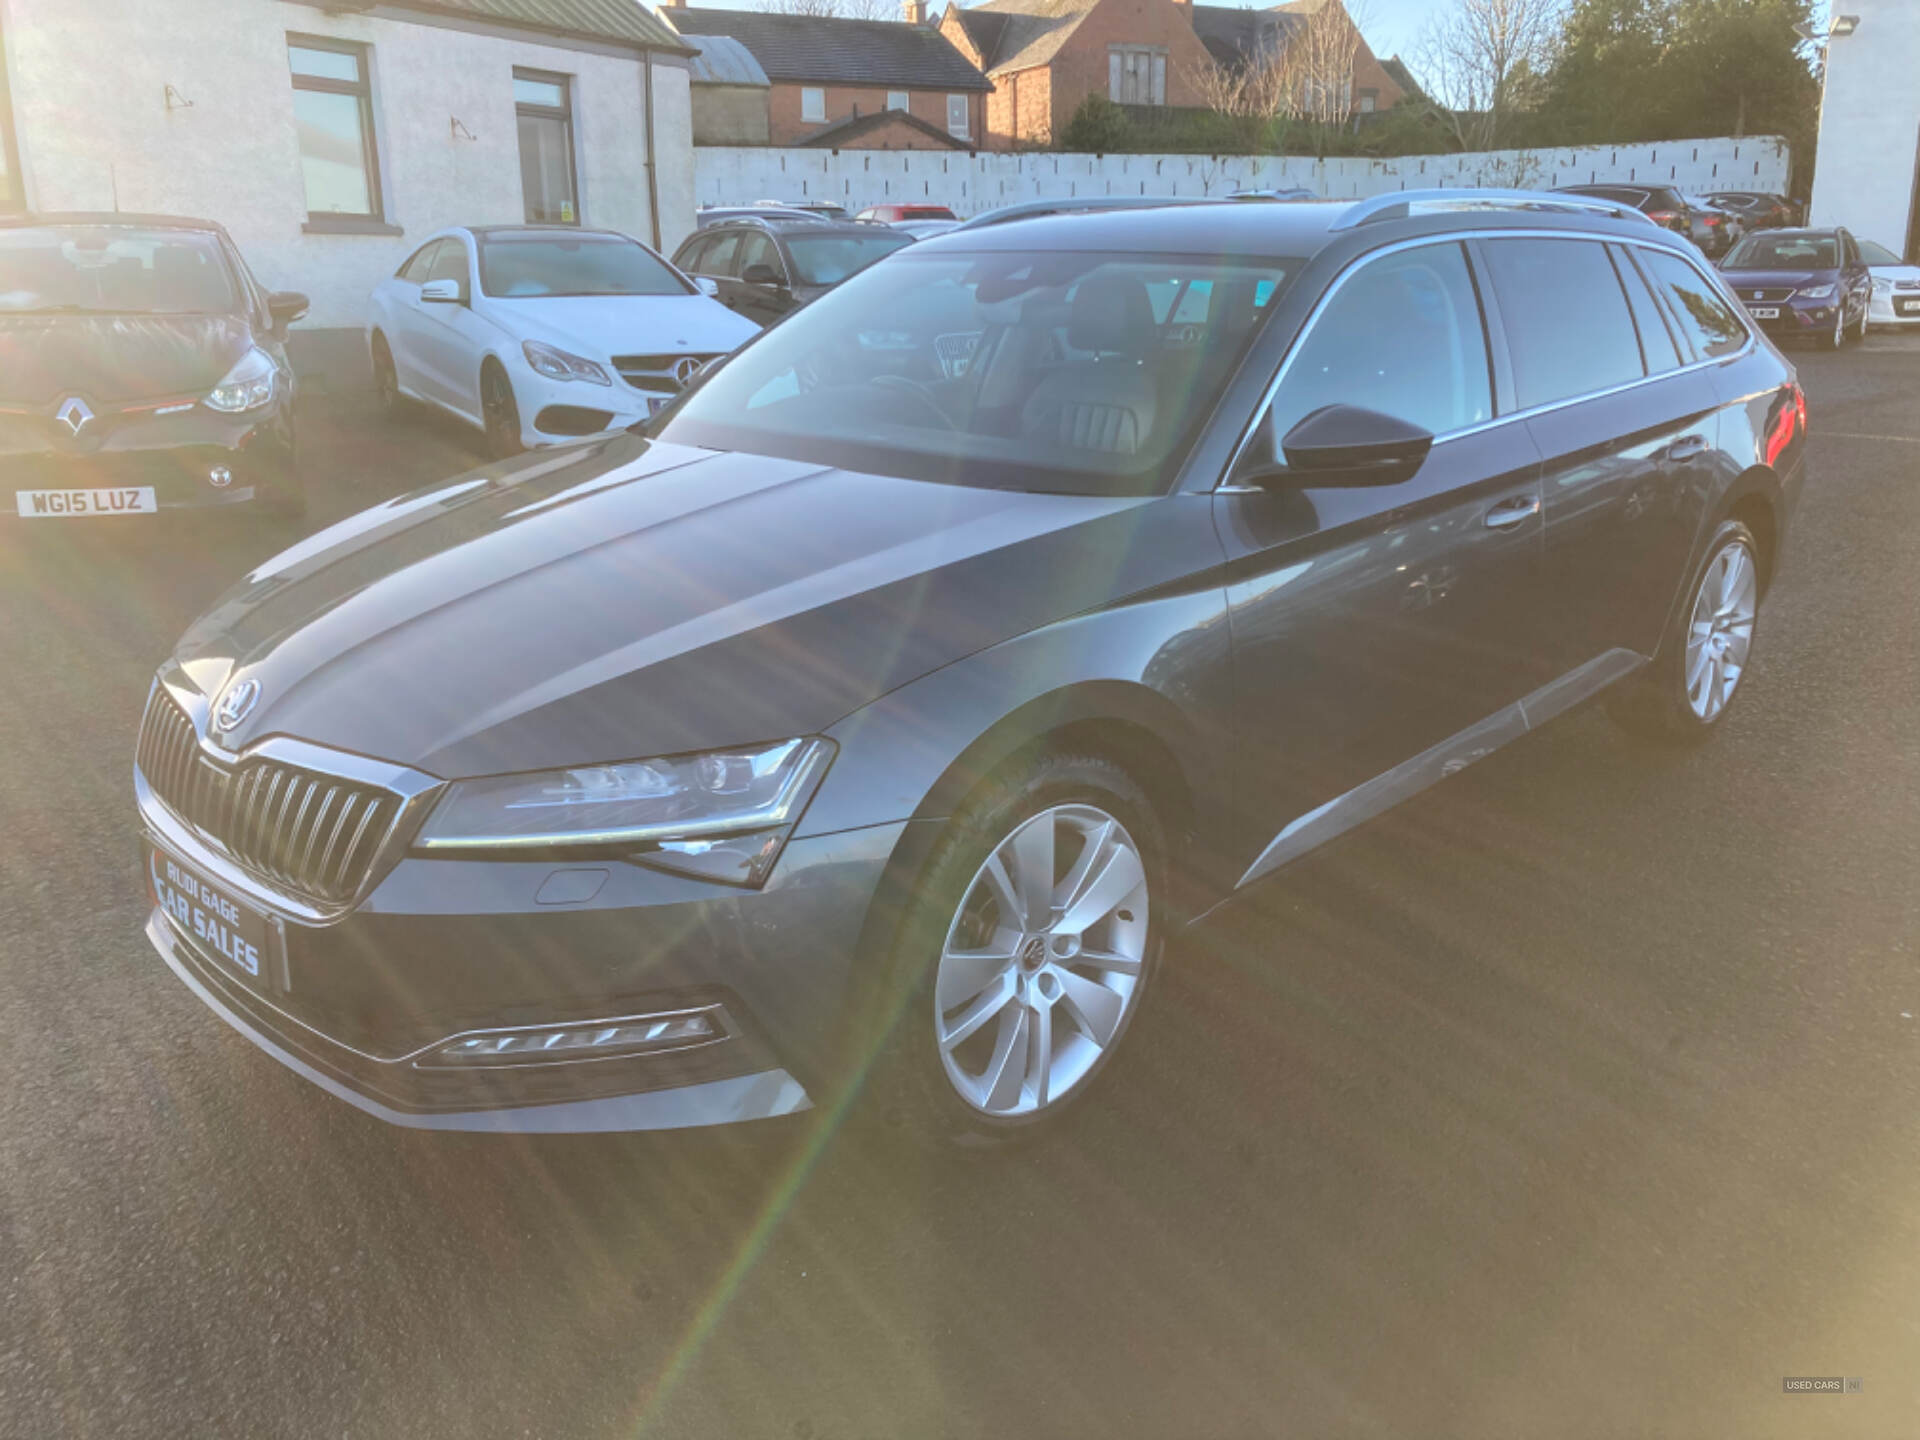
(637, 1035)
(220, 477)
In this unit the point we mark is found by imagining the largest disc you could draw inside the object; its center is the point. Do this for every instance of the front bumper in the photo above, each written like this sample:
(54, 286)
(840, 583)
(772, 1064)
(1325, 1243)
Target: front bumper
(444, 948)
(559, 412)
(756, 1096)
(256, 464)
(1882, 309)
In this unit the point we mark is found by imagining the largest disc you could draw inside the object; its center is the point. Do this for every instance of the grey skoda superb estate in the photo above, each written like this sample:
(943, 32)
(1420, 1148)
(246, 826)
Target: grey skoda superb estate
(877, 715)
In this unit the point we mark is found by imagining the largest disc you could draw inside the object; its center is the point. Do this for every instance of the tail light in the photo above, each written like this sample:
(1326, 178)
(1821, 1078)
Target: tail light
(1669, 218)
(1800, 407)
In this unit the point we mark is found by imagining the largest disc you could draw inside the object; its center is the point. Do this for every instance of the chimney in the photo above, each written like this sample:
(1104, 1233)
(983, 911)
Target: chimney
(673, 4)
(915, 11)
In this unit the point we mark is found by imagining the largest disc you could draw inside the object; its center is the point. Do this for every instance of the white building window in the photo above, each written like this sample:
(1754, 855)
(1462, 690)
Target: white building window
(1369, 101)
(543, 108)
(813, 103)
(957, 116)
(333, 116)
(897, 100)
(1136, 75)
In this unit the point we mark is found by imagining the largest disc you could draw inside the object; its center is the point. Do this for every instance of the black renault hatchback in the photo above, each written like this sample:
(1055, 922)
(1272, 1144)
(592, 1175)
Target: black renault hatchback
(878, 714)
(141, 368)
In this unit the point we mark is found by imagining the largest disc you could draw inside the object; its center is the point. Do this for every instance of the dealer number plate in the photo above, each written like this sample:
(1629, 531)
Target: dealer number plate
(71, 504)
(208, 915)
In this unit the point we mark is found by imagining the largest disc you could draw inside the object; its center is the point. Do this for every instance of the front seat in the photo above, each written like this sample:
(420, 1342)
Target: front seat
(1104, 403)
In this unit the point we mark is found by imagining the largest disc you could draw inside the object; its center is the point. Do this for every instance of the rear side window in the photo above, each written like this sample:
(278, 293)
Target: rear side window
(1706, 319)
(1657, 346)
(1565, 317)
(718, 259)
(1402, 336)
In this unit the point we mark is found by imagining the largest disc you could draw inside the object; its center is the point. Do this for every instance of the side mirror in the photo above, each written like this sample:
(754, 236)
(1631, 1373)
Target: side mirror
(1345, 445)
(286, 306)
(761, 275)
(707, 286)
(441, 292)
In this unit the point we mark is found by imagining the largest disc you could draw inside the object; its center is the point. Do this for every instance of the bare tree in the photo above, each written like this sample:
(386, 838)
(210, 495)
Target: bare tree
(1300, 69)
(837, 9)
(1478, 57)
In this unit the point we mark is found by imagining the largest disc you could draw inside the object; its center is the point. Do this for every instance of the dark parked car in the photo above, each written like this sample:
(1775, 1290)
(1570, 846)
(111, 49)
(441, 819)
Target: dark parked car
(1812, 283)
(765, 269)
(142, 368)
(1662, 204)
(1760, 211)
(869, 719)
(718, 214)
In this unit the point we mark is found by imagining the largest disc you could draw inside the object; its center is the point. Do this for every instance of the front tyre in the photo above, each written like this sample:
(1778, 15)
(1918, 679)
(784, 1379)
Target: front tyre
(499, 412)
(1034, 942)
(1703, 657)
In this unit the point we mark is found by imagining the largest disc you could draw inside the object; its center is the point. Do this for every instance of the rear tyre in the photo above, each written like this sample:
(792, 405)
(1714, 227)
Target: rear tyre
(499, 411)
(1033, 941)
(1686, 692)
(386, 379)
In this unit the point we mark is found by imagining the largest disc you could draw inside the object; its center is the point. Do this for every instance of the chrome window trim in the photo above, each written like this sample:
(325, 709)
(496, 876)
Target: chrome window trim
(1456, 237)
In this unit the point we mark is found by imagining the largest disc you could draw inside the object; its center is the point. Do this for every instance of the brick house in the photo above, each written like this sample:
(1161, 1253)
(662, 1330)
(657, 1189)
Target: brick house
(1045, 57)
(905, 84)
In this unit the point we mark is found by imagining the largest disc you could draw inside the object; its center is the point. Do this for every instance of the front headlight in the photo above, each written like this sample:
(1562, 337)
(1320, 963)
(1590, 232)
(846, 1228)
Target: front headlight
(247, 386)
(722, 815)
(558, 364)
(1815, 292)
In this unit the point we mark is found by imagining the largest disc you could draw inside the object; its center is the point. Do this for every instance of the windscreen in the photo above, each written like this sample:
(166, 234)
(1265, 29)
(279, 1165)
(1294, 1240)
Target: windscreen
(1085, 373)
(539, 265)
(1784, 252)
(113, 270)
(829, 259)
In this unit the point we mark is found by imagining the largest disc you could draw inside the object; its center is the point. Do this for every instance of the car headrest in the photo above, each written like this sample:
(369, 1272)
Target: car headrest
(1111, 314)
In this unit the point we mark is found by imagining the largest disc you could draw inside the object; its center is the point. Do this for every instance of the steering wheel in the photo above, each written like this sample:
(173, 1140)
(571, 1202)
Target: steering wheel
(918, 391)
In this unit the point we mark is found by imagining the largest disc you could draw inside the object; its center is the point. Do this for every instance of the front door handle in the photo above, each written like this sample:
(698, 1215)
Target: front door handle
(1687, 447)
(1509, 513)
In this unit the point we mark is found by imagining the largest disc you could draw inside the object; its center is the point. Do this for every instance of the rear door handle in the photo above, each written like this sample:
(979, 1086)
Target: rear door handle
(1687, 447)
(1509, 513)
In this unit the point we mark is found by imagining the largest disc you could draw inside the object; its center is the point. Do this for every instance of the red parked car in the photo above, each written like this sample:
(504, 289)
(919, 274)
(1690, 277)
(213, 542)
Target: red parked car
(894, 214)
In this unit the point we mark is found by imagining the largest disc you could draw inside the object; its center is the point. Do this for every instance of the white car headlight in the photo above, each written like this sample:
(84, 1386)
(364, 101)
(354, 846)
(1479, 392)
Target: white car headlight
(247, 386)
(557, 364)
(720, 815)
(1816, 292)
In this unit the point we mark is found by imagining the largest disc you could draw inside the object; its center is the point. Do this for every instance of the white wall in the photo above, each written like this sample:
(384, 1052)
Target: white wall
(1864, 164)
(728, 175)
(90, 80)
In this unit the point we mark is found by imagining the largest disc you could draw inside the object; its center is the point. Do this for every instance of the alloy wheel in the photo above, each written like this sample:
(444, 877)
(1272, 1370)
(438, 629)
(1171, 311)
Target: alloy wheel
(1043, 962)
(1721, 631)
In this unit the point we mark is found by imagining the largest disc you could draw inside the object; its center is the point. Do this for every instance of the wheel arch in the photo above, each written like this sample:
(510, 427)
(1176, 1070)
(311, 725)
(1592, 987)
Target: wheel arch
(1124, 721)
(1754, 499)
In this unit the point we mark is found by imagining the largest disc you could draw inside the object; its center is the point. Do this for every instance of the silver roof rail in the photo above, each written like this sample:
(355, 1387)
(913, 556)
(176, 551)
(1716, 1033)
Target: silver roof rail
(1398, 204)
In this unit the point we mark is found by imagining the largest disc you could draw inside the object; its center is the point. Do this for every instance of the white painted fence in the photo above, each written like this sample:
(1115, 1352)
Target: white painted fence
(970, 183)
